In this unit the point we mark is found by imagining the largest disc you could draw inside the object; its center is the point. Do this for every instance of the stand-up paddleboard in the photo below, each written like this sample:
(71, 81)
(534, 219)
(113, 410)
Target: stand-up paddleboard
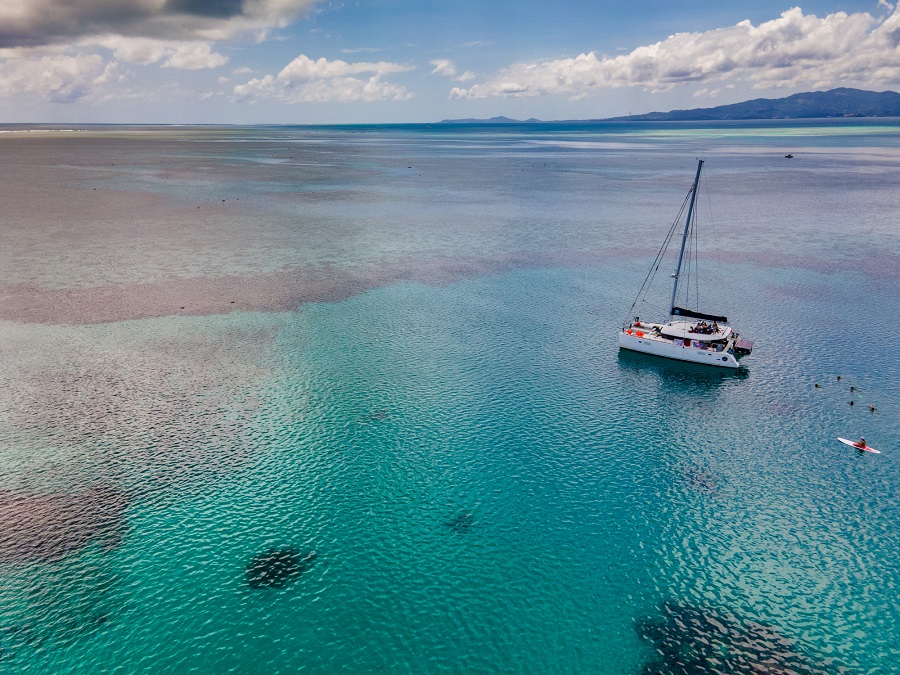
(852, 444)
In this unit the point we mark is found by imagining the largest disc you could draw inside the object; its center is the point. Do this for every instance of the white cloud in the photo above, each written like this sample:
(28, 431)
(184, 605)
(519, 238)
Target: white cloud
(182, 55)
(443, 67)
(447, 68)
(140, 51)
(306, 80)
(195, 56)
(66, 75)
(304, 68)
(791, 51)
(58, 77)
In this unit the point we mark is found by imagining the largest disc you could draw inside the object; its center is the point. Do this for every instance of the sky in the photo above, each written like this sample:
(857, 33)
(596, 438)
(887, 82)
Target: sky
(395, 61)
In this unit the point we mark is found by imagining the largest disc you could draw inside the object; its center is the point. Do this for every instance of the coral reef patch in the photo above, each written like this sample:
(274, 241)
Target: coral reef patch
(50, 527)
(275, 567)
(692, 640)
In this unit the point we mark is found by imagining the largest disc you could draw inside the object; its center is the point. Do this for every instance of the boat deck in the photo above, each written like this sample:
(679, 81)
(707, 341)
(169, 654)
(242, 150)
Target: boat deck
(716, 342)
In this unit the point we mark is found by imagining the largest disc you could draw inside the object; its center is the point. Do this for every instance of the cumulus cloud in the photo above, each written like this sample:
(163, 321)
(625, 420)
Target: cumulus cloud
(447, 68)
(181, 55)
(306, 80)
(141, 51)
(58, 49)
(304, 68)
(195, 56)
(68, 74)
(28, 23)
(443, 67)
(792, 51)
(59, 77)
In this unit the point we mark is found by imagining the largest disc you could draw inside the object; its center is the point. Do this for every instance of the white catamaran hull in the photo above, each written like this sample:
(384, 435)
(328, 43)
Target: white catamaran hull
(668, 349)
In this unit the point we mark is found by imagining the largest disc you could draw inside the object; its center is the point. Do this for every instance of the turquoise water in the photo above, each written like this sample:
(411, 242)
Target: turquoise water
(398, 351)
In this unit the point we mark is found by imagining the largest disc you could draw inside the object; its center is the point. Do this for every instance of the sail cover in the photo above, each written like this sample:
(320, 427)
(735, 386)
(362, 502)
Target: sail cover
(681, 311)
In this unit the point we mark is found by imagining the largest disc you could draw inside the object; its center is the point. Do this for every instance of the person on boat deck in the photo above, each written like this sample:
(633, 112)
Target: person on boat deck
(861, 443)
(715, 327)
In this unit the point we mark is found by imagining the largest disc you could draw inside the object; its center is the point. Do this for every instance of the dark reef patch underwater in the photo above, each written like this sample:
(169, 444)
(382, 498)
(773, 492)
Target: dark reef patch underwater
(277, 566)
(50, 527)
(461, 522)
(693, 640)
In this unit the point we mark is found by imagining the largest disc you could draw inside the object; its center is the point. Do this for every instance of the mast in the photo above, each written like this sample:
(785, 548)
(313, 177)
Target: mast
(687, 226)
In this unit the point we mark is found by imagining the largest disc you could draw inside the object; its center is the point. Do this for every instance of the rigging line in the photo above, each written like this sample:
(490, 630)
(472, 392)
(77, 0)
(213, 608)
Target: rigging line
(663, 251)
(715, 237)
(655, 307)
(660, 256)
(657, 261)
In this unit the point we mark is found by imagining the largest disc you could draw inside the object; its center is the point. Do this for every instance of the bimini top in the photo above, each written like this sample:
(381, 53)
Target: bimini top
(681, 311)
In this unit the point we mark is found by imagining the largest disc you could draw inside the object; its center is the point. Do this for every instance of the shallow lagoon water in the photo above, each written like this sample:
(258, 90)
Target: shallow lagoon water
(397, 350)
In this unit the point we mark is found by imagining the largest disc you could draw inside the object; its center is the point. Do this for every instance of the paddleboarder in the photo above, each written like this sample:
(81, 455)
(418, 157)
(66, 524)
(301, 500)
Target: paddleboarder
(860, 445)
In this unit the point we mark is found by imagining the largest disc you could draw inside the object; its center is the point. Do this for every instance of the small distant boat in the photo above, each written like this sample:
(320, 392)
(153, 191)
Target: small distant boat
(688, 335)
(789, 156)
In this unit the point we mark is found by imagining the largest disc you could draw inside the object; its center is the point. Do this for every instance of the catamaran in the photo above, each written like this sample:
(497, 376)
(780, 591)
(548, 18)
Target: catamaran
(689, 334)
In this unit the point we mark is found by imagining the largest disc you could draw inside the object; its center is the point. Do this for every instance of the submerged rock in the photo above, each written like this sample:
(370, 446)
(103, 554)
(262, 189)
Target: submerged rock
(377, 416)
(702, 481)
(277, 566)
(694, 640)
(462, 522)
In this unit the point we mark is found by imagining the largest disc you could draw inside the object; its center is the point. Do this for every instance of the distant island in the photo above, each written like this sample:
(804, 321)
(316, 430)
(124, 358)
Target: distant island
(841, 102)
(491, 120)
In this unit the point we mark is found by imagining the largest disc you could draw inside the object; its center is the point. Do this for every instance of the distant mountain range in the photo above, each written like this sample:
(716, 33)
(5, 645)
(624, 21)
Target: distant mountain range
(840, 102)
